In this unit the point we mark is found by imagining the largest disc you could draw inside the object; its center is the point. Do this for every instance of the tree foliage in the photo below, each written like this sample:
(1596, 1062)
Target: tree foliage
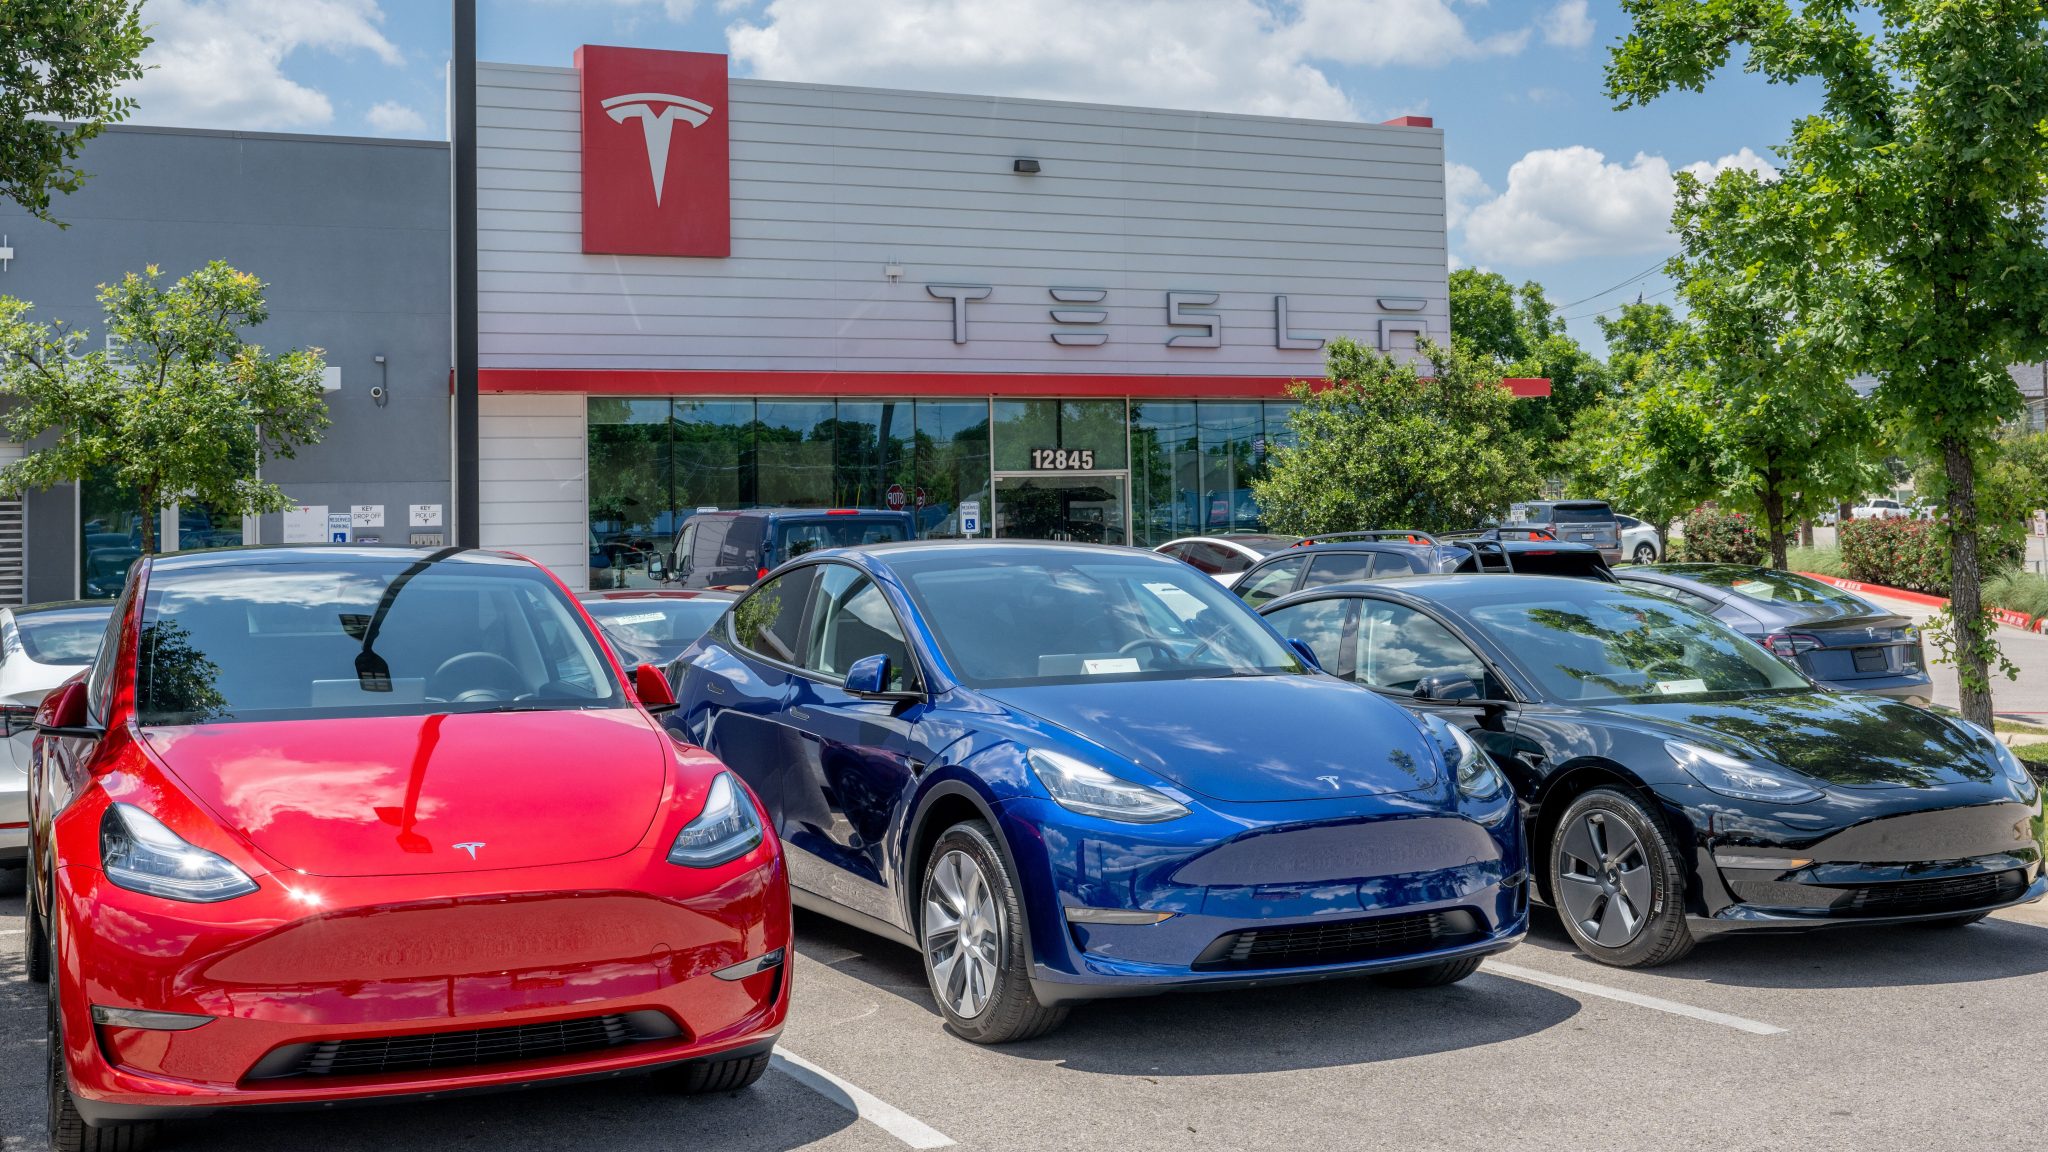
(1518, 332)
(1649, 447)
(1381, 445)
(1919, 192)
(180, 407)
(61, 62)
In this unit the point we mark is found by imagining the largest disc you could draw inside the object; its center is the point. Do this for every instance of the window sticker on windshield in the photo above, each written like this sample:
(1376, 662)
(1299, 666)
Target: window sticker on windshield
(636, 618)
(1681, 687)
(1110, 666)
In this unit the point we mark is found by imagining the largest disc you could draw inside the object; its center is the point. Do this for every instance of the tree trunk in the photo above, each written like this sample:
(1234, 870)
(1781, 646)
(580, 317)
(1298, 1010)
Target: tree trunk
(1966, 593)
(1774, 517)
(1806, 533)
(151, 515)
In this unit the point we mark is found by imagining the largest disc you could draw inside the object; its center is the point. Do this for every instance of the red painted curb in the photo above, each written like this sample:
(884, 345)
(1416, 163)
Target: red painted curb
(2005, 616)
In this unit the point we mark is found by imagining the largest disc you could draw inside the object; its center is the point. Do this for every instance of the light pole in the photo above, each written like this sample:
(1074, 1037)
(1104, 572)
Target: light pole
(463, 131)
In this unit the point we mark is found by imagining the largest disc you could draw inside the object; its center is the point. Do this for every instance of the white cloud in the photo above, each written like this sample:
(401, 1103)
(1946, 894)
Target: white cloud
(1567, 25)
(395, 119)
(1566, 203)
(1214, 55)
(675, 9)
(219, 63)
(1463, 187)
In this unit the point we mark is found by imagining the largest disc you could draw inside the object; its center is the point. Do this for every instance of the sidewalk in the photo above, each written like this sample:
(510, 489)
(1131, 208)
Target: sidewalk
(2023, 699)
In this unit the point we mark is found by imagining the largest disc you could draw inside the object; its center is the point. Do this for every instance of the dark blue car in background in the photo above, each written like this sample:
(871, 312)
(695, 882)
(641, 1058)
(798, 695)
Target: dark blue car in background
(1068, 771)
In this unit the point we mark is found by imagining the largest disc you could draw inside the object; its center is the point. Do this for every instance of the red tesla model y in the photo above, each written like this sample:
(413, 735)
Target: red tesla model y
(328, 824)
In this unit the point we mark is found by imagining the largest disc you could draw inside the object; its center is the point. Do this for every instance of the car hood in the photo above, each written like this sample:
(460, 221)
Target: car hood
(1842, 740)
(1245, 739)
(391, 795)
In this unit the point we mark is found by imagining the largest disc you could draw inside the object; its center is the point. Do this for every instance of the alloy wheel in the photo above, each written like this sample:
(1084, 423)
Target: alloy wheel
(1645, 554)
(962, 934)
(1604, 879)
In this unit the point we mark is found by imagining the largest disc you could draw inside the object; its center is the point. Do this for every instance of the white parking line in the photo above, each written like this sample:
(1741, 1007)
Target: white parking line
(1740, 1024)
(857, 1100)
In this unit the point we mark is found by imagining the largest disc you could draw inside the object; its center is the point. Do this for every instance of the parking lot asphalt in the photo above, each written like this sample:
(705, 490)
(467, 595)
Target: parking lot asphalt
(1868, 1039)
(2024, 697)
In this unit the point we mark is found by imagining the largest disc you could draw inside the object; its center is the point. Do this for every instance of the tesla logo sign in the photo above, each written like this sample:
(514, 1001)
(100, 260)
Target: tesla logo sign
(656, 154)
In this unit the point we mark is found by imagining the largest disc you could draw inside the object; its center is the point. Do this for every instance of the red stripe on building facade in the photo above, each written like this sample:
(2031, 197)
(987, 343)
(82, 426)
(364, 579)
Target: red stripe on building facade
(679, 382)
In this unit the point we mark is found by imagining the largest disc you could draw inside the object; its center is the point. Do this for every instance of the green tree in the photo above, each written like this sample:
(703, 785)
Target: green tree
(1380, 445)
(60, 63)
(1649, 447)
(180, 408)
(1518, 332)
(1920, 189)
(1792, 436)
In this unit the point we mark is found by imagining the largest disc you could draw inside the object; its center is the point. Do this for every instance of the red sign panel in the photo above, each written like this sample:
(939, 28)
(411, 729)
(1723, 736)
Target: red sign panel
(657, 159)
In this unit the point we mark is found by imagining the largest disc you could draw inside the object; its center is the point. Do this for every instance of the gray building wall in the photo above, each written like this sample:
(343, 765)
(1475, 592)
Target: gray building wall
(352, 237)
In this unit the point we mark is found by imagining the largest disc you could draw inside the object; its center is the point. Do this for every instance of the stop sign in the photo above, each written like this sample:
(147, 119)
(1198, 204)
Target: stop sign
(896, 497)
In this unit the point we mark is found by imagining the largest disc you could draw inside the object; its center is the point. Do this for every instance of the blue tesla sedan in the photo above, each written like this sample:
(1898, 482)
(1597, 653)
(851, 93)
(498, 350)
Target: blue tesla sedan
(1062, 772)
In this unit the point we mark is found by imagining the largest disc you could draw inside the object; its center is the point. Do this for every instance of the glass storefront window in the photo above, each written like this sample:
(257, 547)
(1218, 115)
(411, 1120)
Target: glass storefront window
(952, 464)
(709, 439)
(1231, 435)
(1165, 470)
(110, 536)
(201, 527)
(793, 449)
(629, 487)
(1025, 426)
(871, 455)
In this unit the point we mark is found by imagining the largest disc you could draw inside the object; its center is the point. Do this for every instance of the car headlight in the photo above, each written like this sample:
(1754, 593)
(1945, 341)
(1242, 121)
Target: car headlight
(1728, 776)
(1086, 789)
(2008, 763)
(1478, 776)
(723, 832)
(140, 854)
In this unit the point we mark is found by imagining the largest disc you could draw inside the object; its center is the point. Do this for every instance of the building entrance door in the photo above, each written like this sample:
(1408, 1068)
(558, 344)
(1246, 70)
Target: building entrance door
(1087, 507)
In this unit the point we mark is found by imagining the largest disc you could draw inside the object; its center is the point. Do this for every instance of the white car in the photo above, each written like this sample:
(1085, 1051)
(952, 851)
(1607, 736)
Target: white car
(1641, 543)
(1225, 557)
(41, 646)
(1880, 509)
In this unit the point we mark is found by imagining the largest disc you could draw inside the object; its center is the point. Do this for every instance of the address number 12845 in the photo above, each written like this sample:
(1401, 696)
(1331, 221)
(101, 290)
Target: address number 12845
(1062, 460)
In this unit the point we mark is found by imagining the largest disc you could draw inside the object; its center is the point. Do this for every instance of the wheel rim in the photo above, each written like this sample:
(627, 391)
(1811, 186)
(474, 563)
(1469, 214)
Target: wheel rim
(1645, 554)
(1603, 879)
(962, 934)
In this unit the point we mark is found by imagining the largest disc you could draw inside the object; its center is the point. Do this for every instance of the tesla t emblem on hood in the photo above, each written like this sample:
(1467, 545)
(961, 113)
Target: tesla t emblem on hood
(470, 846)
(1331, 781)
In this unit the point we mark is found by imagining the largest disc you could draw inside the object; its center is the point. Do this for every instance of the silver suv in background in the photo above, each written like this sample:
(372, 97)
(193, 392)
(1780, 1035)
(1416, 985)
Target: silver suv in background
(1572, 521)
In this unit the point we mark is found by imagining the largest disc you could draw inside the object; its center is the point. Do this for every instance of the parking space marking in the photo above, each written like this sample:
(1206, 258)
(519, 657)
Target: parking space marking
(857, 1100)
(1533, 976)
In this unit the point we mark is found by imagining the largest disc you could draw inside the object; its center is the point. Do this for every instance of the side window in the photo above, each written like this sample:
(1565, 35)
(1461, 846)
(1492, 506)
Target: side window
(1398, 646)
(99, 682)
(1338, 568)
(770, 620)
(1321, 625)
(1274, 580)
(1690, 600)
(851, 620)
(686, 548)
(1214, 558)
(1177, 551)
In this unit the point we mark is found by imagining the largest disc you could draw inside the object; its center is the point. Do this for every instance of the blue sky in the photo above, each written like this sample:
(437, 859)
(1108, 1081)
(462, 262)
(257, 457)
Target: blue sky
(1546, 180)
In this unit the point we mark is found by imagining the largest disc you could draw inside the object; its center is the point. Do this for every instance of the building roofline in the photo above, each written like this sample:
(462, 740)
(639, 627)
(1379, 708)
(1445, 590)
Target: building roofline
(302, 137)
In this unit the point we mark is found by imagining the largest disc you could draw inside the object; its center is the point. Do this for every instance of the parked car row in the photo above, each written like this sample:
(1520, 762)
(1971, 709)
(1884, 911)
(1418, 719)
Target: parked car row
(315, 825)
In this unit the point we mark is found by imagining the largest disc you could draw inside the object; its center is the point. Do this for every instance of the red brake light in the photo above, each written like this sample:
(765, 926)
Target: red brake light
(842, 512)
(760, 573)
(1790, 644)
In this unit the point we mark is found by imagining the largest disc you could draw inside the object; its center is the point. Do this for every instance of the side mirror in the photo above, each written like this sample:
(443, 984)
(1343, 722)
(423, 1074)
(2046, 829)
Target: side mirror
(656, 570)
(869, 676)
(1449, 686)
(64, 714)
(1307, 653)
(650, 684)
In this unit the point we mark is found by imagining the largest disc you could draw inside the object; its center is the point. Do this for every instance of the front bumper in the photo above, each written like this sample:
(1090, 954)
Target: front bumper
(370, 973)
(1273, 893)
(1785, 872)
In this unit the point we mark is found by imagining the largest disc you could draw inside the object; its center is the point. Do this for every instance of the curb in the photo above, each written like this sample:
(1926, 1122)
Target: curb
(2006, 616)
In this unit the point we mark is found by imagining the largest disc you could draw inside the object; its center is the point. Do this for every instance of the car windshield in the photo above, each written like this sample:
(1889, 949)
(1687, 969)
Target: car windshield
(794, 538)
(353, 636)
(62, 635)
(1073, 618)
(1767, 587)
(660, 626)
(1627, 647)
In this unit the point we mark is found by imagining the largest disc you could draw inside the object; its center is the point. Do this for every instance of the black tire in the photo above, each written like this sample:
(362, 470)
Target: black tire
(1010, 1011)
(1646, 554)
(1659, 932)
(35, 944)
(68, 1130)
(13, 881)
(707, 1076)
(1431, 975)
(1963, 921)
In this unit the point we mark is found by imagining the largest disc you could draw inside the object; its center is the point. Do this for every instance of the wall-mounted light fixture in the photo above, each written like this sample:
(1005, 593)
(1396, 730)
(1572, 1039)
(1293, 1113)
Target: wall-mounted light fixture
(893, 271)
(1024, 167)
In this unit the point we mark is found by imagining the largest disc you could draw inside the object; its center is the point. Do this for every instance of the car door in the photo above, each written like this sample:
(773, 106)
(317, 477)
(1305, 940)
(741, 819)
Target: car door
(1401, 649)
(1271, 579)
(859, 758)
(732, 692)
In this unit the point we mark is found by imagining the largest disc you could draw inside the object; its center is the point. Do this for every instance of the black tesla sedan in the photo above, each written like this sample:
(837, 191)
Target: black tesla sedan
(1836, 637)
(1677, 779)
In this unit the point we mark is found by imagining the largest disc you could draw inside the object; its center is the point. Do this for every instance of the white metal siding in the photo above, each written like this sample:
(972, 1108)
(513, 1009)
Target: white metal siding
(830, 184)
(532, 494)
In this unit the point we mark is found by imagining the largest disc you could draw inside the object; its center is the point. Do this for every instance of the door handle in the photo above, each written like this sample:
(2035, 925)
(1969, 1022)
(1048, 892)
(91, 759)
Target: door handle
(917, 767)
(716, 688)
(799, 714)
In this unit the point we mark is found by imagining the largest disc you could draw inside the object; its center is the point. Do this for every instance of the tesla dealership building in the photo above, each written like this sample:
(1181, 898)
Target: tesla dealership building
(1006, 317)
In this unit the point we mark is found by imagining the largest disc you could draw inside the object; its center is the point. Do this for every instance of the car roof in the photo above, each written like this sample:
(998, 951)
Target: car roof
(659, 594)
(1467, 590)
(171, 562)
(1022, 551)
(63, 606)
